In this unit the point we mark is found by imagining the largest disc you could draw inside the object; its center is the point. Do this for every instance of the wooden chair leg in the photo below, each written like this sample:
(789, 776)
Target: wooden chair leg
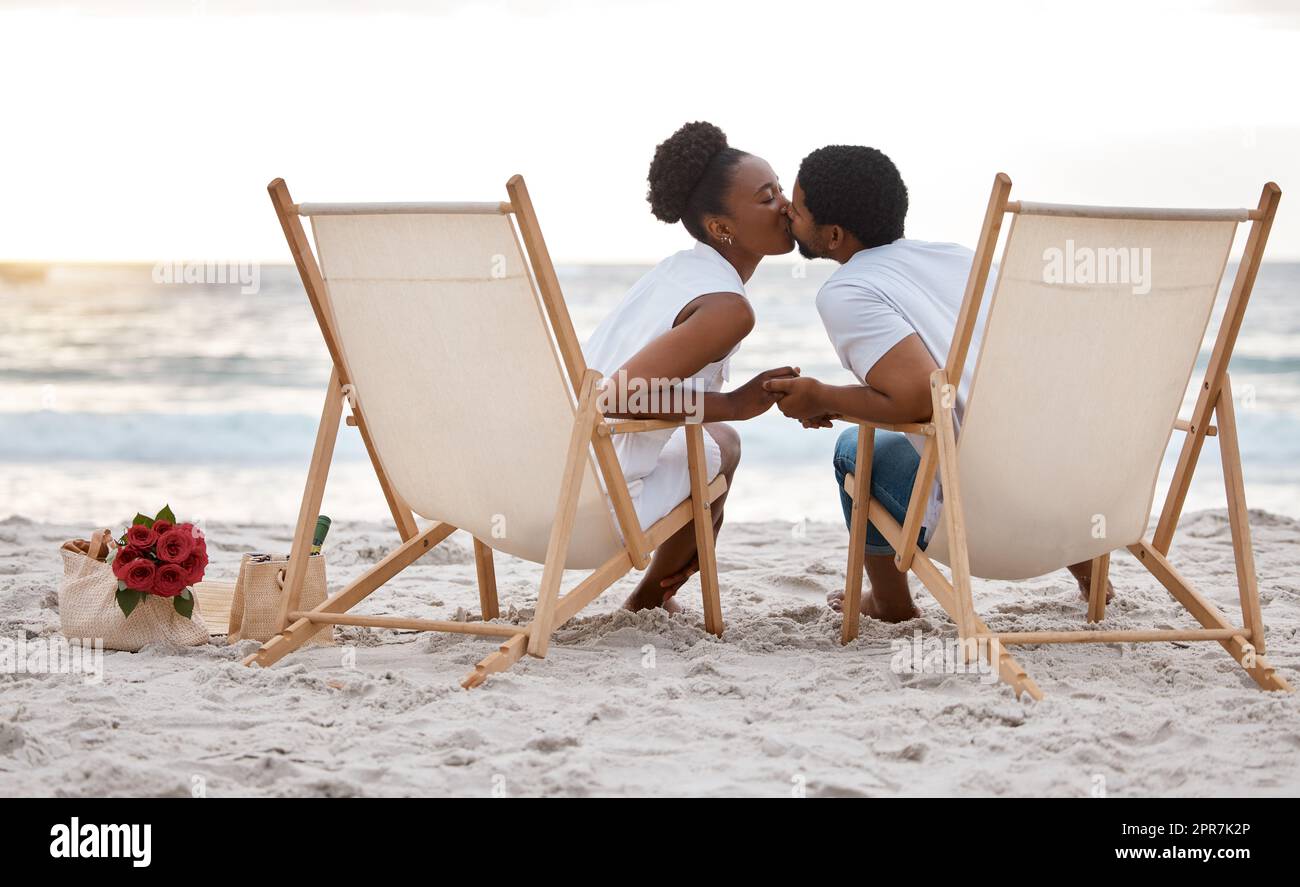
(487, 581)
(499, 660)
(702, 516)
(566, 608)
(952, 507)
(312, 495)
(858, 533)
(1238, 517)
(1003, 664)
(566, 509)
(1216, 367)
(1205, 613)
(1099, 572)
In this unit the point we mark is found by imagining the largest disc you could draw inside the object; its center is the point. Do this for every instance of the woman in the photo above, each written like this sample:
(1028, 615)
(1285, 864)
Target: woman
(681, 323)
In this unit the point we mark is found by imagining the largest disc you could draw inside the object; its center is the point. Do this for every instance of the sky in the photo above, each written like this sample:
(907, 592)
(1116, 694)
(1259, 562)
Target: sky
(147, 131)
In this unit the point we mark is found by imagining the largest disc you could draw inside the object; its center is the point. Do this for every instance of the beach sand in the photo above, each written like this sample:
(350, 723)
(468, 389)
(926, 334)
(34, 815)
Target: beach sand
(647, 704)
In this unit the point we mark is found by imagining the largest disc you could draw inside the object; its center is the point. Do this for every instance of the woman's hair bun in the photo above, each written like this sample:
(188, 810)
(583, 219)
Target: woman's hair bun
(679, 164)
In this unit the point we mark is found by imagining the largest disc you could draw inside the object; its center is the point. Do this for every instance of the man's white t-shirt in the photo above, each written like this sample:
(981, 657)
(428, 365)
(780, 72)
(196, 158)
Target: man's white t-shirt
(886, 293)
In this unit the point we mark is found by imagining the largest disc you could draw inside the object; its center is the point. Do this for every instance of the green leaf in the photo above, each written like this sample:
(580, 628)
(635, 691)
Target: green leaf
(121, 586)
(166, 514)
(128, 599)
(142, 519)
(184, 603)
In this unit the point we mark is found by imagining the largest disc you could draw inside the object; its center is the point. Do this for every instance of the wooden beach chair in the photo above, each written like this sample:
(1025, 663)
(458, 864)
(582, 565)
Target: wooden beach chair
(1075, 395)
(465, 380)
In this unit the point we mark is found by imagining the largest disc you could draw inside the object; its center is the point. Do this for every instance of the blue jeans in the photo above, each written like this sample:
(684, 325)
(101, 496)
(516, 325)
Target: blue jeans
(893, 471)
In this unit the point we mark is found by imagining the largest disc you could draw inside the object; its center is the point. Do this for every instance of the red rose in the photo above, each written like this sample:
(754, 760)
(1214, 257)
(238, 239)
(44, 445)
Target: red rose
(175, 545)
(122, 560)
(140, 574)
(140, 536)
(162, 526)
(194, 566)
(200, 548)
(170, 581)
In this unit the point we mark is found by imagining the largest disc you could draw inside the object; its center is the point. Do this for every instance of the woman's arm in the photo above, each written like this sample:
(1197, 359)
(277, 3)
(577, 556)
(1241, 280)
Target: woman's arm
(706, 331)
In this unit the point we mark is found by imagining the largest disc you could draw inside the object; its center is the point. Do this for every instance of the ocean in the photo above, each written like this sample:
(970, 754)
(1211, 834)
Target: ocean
(119, 394)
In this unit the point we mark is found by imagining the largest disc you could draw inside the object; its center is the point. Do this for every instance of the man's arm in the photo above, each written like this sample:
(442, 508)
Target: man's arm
(897, 390)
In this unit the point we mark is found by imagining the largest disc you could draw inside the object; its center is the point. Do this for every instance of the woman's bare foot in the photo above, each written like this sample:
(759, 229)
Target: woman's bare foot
(871, 607)
(637, 601)
(1083, 575)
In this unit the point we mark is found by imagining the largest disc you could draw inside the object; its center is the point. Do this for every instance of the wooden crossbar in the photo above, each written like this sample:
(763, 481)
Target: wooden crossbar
(379, 209)
(1158, 214)
(1120, 637)
(486, 629)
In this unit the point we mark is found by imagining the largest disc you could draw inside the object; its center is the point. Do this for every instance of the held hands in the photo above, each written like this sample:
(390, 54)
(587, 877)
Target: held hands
(754, 397)
(800, 398)
(826, 420)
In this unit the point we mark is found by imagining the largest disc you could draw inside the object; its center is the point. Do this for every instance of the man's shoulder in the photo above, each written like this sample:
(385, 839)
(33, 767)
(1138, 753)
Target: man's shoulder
(907, 251)
(842, 284)
(861, 277)
(848, 293)
(878, 268)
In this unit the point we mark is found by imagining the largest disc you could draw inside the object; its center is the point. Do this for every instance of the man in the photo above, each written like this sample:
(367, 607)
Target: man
(890, 311)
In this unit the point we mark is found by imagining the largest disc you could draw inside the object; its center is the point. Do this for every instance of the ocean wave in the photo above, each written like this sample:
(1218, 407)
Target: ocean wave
(246, 437)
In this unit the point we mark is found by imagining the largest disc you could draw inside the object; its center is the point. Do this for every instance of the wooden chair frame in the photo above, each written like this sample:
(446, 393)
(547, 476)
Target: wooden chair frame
(590, 428)
(1244, 643)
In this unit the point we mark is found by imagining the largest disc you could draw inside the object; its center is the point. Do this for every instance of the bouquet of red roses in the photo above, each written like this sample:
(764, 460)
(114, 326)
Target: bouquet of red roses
(158, 556)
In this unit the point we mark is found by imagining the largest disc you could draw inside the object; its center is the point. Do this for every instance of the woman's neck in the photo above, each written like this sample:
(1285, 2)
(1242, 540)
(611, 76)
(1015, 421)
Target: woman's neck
(744, 261)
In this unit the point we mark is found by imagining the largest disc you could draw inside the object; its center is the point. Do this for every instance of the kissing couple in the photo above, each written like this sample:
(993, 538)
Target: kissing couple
(889, 311)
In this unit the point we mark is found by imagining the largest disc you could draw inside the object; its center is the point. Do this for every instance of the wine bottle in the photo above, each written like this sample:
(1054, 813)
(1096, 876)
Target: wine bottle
(322, 529)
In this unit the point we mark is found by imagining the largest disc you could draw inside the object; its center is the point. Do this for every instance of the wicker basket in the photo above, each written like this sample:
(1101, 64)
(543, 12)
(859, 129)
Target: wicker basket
(255, 606)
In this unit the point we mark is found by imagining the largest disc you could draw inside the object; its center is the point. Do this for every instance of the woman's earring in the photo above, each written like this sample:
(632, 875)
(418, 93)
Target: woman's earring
(726, 238)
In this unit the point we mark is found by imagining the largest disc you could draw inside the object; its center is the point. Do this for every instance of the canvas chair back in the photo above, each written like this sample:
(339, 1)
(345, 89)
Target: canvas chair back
(455, 367)
(1094, 328)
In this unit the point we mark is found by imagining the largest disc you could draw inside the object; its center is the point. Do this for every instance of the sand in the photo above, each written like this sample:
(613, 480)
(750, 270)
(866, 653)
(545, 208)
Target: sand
(648, 704)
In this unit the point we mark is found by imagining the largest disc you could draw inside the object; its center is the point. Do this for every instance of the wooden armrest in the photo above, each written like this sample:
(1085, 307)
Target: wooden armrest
(632, 426)
(926, 428)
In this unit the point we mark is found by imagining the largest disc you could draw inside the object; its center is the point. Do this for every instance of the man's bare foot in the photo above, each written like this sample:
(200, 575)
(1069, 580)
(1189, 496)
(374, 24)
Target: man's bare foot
(870, 607)
(1083, 575)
